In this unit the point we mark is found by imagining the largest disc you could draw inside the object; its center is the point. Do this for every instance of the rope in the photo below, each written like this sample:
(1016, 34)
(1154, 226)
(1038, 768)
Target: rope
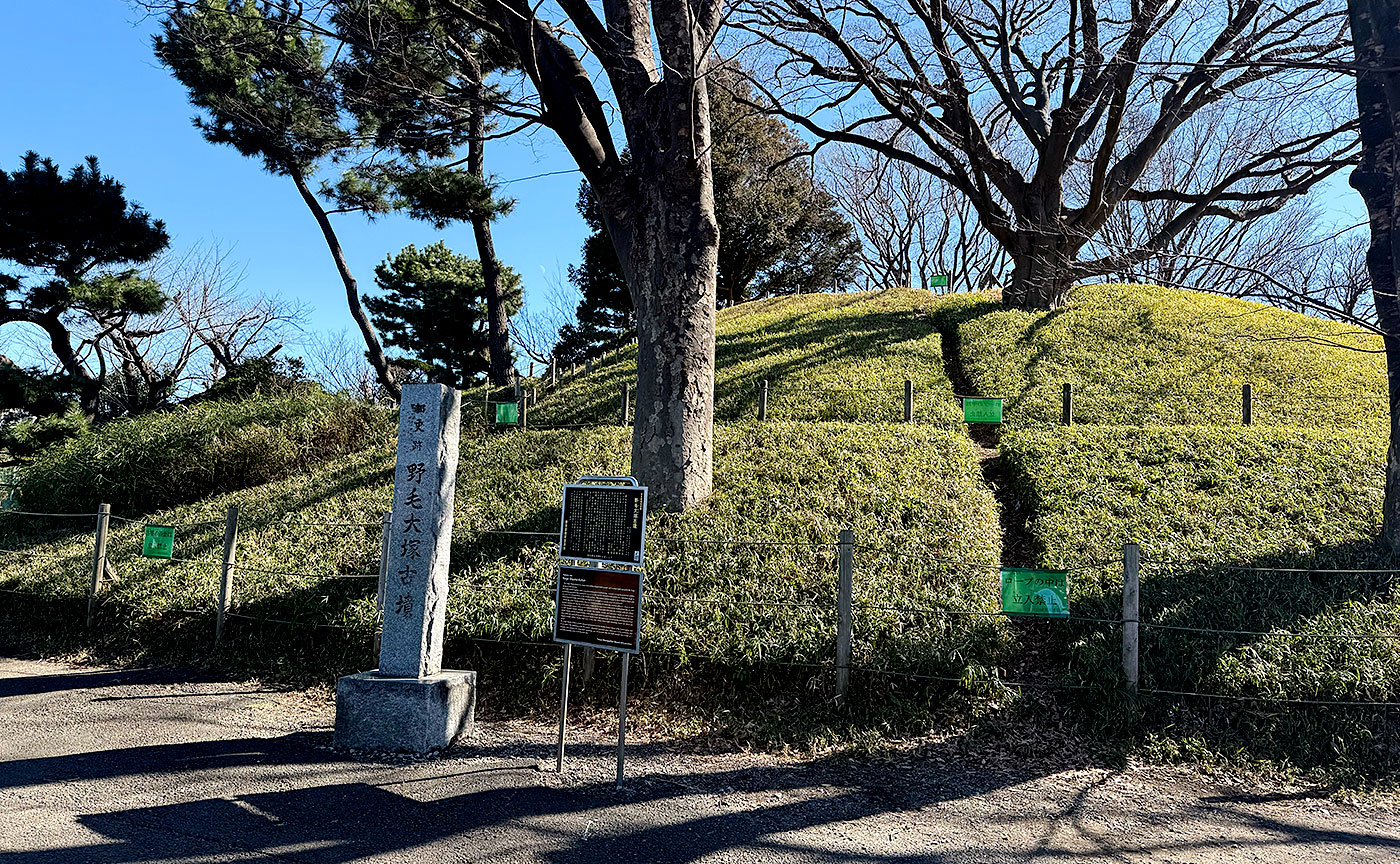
(1347, 635)
(42, 555)
(283, 621)
(1238, 568)
(307, 575)
(1272, 700)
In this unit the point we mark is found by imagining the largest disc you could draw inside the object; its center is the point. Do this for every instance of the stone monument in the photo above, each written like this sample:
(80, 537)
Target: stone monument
(410, 703)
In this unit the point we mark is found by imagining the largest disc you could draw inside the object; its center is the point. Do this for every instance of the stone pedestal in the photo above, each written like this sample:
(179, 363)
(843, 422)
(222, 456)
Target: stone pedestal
(406, 715)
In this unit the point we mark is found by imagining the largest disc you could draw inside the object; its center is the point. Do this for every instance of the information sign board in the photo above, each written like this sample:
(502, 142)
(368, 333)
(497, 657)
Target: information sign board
(981, 410)
(507, 413)
(604, 524)
(1035, 592)
(158, 542)
(599, 608)
(938, 280)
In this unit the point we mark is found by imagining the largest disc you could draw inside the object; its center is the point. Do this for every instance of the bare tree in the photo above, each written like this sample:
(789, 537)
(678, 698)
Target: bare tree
(208, 325)
(338, 363)
(911, 224)
(1009, 101)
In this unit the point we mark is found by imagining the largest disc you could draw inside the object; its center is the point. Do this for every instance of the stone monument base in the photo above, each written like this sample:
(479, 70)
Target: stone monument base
(405, 715)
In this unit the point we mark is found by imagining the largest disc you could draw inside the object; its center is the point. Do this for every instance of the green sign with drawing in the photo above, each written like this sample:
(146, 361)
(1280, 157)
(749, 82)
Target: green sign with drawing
(507, 413)
(1035, 592)
(159, 541)
(981, 410)
(938, 280)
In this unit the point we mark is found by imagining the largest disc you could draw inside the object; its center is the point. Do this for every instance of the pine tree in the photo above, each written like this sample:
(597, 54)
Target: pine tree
(76, 240)
(434, 309)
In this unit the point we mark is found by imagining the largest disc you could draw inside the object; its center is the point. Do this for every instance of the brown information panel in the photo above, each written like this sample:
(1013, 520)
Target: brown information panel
(599, 608)
(604, 524)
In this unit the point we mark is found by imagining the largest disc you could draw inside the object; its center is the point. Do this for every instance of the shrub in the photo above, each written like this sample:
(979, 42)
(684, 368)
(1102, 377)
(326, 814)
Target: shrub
(144, 464)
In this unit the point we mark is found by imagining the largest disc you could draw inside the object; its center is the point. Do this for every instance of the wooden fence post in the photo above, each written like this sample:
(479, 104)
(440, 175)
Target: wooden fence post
(1247, 397)
(532, 369)
(384, 530)
(1067, 405)
(99, 559)
(226, 576)
(626, 403)
(763, 400)
(908, 401)
(844, 567)
(1132, 565)
(553, 372)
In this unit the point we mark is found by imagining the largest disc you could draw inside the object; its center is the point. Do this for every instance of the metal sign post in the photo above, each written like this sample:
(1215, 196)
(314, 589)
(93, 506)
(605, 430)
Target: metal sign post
(600, 606)
(564, 705)
(622, 721)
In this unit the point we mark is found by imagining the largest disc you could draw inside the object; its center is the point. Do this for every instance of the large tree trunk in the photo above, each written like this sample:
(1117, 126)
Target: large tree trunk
(1375, 28)
(1041, 275)
(673, 269)
(497, 322)
(352, 289)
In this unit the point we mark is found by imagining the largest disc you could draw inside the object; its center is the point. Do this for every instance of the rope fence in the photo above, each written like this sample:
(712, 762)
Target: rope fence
(1246, 397)
(843, 605)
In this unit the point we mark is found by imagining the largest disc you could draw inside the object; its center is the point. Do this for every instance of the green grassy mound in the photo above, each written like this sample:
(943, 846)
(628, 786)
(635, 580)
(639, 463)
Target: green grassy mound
(158, 460)
(1151, 356)
(1241, 530)
(827, 357)
(719, 596)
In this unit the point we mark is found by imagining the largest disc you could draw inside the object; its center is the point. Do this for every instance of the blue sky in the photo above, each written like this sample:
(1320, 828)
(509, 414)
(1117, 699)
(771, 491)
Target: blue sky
(79, 79)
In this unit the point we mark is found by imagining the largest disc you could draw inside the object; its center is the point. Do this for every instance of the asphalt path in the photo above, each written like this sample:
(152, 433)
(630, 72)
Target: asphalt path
(110, 766)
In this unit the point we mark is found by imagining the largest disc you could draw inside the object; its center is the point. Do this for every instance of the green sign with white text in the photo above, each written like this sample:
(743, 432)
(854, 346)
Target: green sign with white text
(938, 280)
(159, 541)
(981, 410)
(507, 413)
(1035, 592)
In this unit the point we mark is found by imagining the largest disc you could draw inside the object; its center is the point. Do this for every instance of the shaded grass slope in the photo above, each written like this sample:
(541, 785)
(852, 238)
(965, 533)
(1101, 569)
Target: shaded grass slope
(1254, 534)
(744, 581)
(828, 357)
(1147, 355)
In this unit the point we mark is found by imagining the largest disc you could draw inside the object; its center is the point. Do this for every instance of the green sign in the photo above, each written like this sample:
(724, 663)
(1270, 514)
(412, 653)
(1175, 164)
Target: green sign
(981, 410)
(507, 413)
(938, 280)
(159, 541)
(1035, 592)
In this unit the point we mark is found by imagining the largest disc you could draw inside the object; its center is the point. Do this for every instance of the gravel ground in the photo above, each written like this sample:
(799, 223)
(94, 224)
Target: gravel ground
(126, 766)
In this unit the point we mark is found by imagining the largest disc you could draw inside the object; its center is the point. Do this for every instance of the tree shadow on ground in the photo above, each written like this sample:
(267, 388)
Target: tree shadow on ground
(507, 811)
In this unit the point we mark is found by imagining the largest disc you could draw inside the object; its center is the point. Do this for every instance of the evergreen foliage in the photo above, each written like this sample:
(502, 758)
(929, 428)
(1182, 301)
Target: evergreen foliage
(75, 239)
(434, 309)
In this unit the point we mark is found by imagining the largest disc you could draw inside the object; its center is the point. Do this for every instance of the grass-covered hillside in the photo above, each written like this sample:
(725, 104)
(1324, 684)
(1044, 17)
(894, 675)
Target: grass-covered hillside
(1145, 355)
(1261, 581)
(718, 594)
(826, 357)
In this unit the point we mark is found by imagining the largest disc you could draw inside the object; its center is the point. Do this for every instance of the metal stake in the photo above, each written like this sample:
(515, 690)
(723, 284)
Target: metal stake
(622, 720)
(564, 705)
